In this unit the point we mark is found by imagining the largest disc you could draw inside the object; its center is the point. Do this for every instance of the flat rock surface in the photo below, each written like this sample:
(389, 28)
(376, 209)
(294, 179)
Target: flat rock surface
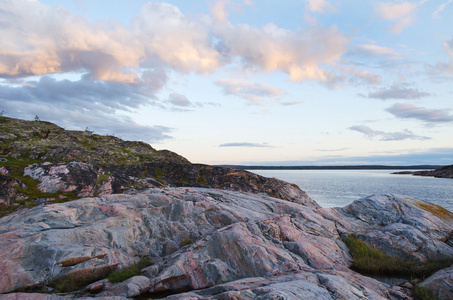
(217, 244)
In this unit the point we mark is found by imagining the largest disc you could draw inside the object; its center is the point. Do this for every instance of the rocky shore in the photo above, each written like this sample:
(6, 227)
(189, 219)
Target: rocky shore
(217, 244)
(72, 217)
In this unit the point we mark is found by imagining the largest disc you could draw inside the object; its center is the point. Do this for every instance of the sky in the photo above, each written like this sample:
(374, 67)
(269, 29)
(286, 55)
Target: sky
(306, 82)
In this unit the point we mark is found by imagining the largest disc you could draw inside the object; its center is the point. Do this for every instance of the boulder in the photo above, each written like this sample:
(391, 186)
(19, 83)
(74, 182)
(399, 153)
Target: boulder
(398, 225)
(440, 283)
(76, 177)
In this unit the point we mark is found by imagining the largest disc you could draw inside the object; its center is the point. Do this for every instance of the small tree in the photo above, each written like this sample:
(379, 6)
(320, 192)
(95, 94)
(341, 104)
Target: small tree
(37, 118)
(1, 113)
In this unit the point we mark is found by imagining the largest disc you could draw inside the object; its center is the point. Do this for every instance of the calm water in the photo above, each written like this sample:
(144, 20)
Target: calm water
(331, 188)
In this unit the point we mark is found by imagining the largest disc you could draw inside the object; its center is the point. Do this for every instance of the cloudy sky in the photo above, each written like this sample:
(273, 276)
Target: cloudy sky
(294, 82)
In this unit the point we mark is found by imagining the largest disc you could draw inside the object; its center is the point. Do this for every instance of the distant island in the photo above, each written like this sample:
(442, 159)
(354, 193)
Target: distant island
(348, 167)
(444, 172)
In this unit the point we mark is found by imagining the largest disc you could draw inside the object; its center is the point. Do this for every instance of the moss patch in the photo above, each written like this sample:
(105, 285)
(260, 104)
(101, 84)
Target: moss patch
(434, 209)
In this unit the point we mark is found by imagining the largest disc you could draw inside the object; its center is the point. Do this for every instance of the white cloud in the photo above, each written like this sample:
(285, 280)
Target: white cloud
(246, 144)
(300, 54)
(441, 8)
(375, 50)
(320, 6)
(175, 39)
(219, 8)
(254, 92)
(388, 136)
(39, 39)
(401, 14)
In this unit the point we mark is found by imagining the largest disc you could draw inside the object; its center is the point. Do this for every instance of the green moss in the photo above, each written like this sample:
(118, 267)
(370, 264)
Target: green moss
(201, 180)
(185, 242)
(159, 174)
(144, 173)
(436, 210)
(19, 163)
(184, 181)
(102, 178)
(128, 272)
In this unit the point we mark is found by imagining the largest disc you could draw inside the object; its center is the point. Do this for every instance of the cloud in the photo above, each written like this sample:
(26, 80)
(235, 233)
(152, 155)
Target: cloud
(434, 156)
(179, 100)
(302, 54)
(375, 50)
(39, 39)
(401, 13)
(248, 145)
(352, 76)
(182, 43)
(333, 150)
(397, 92)
(320, 6)
(219, 8)
(291, 103)
(254, 92)
(441, 8)
(388, 136)
(431, 116)
(448, 66)
(95, 104)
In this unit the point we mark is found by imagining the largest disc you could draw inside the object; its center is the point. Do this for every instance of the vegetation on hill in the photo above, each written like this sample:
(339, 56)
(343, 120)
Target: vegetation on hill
(43, 141)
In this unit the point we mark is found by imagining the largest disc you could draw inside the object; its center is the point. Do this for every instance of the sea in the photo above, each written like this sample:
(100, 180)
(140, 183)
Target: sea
(337, 188)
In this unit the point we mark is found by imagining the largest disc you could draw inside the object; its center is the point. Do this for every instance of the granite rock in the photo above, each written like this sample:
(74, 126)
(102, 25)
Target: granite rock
(216, 244)
(440, 283)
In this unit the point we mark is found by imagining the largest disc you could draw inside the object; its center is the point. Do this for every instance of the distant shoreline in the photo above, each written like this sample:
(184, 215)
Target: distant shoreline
(361, 167)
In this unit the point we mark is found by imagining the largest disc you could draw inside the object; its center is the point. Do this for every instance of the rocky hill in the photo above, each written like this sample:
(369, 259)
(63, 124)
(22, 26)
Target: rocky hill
(42, 162)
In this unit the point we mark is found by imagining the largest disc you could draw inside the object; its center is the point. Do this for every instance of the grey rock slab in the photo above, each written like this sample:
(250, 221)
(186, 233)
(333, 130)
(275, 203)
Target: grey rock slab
(102, 233)
(441, 283)
(132, 287)
(304, 285)
(398, 225)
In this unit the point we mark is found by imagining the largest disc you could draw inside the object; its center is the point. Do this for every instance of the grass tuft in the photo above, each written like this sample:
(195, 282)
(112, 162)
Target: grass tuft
(421, 293)
(128, 272)
(372, 261)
